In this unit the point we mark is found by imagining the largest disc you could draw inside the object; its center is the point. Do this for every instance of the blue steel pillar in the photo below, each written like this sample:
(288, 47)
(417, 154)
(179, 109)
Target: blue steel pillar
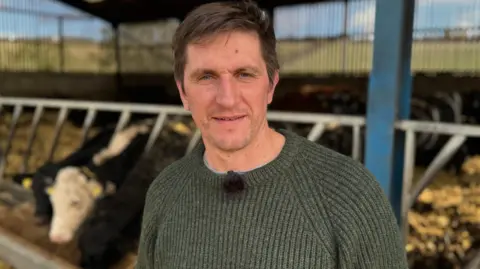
(389, 94)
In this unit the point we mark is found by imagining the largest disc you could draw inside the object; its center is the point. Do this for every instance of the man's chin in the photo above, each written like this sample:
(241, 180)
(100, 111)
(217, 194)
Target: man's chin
(230, 144)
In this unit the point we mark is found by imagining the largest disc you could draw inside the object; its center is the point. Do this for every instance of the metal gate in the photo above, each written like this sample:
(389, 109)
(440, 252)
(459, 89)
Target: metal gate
(33, 258)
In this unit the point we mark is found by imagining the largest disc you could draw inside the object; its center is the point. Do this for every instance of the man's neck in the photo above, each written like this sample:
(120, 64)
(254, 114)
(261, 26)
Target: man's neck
(263, 149)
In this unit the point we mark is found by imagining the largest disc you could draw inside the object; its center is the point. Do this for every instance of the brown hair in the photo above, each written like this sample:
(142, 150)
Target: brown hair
(219, 17)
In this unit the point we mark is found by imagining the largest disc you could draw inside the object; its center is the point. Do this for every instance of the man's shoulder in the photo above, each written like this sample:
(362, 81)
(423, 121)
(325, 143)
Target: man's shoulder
(336, 174)
(170, 177)
(345, 187)
(331, 162)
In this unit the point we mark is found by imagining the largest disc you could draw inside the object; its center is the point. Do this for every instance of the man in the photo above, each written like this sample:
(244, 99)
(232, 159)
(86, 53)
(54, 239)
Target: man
(302, 206)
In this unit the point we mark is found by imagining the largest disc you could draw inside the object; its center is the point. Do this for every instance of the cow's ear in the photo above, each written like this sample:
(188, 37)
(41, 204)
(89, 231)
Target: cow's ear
(49, 190)
(27, 183)
(95, 189)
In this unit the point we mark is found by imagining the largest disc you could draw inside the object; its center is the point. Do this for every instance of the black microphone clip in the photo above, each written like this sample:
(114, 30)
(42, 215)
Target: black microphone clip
(233, 183)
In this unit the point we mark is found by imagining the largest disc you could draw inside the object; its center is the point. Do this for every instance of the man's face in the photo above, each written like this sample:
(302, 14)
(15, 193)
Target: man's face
(227, 90)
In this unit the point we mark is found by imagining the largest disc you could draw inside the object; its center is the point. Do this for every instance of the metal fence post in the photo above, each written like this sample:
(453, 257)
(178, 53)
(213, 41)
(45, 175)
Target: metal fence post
(389, 95)
(61, 44)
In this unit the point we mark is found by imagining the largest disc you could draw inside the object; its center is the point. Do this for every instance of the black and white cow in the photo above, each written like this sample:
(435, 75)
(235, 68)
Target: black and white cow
(113, 227)
(45, 175)
(76, 188)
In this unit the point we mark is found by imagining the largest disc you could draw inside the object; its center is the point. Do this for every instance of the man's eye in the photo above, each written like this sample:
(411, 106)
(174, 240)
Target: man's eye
(245, 75)
(205, 77)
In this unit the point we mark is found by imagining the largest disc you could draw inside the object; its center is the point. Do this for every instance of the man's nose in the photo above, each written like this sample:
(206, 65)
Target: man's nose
(227, 93)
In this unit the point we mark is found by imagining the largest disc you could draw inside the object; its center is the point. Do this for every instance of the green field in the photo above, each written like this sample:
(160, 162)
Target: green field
(297, 57)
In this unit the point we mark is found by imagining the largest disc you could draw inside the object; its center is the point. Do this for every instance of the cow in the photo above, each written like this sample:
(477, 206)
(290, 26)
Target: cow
(45, 175)
(114, 225)
(75, 189)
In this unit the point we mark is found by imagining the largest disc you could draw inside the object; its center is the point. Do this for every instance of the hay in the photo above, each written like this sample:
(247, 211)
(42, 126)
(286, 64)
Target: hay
(69, 140)
(445, 222)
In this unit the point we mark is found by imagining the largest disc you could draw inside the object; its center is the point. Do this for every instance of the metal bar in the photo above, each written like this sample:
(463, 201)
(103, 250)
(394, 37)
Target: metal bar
(118, 57)
(61, 44)
(18, 194)
(100, 106)
(389, 95)
(157, 128)
(13, 126)
(24, 255)
(33, 133)
(316, 132)
(442, 157)
(433, 138)
(422, 107)
(195, 139)
(439, 128)
(295, 117)
(458, 107)
(344, 35)
(87, 124)
(356, 144)
(58, 128)
(409, 167)
(122, 122)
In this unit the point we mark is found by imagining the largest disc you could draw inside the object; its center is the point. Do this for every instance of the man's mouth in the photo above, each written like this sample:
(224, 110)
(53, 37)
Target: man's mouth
(231, 118)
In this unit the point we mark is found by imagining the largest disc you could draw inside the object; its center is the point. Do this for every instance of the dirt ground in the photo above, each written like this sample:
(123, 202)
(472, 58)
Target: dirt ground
(444, 223)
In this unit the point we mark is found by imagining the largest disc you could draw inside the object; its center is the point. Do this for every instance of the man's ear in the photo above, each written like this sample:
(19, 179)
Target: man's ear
(273, 85)
(182, 93)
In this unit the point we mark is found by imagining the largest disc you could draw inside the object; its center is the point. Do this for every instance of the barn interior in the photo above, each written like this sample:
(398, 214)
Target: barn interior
(129, 61)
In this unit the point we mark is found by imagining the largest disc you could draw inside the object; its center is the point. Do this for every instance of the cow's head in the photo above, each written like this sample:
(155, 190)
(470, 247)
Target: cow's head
(72, 195)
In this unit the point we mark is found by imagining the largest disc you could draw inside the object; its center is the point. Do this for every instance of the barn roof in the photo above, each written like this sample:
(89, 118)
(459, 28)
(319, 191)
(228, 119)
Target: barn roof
(124, 11)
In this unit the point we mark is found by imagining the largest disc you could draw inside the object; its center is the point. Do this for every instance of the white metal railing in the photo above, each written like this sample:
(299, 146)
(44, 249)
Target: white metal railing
(458, 133)
(320, 123)
(160, 111)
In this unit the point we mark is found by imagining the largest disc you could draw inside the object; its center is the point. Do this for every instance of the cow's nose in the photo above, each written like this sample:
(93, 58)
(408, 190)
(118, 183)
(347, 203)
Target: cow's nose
(59, 238)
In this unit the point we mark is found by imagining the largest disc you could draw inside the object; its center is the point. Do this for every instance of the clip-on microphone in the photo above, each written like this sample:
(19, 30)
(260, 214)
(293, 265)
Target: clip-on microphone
(233, 183)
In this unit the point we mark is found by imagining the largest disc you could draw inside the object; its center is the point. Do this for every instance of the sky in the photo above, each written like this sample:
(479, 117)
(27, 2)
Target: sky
(300, 21)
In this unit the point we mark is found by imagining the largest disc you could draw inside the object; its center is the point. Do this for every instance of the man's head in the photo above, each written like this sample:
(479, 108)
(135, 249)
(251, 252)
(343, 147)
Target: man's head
(226, 70)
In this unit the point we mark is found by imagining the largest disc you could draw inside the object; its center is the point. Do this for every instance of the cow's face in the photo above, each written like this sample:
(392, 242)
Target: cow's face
(72, 197)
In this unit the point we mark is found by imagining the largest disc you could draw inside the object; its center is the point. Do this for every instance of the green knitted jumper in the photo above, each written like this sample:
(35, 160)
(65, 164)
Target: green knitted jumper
(309, 208)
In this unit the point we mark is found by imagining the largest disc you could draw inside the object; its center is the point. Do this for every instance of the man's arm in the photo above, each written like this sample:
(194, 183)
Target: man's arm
(148, 235)
(367, 231)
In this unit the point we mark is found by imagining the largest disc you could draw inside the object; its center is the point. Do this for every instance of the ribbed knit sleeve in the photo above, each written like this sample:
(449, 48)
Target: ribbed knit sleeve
(162, 190)
(146, 252)
(367, 228)
(366, 232)
(364, 223)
